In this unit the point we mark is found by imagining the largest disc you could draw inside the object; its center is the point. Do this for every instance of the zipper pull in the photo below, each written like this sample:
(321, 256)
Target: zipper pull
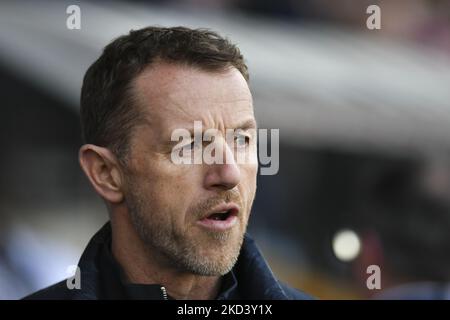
(164, 293)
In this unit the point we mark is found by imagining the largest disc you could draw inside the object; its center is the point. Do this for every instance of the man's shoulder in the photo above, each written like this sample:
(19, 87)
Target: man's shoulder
(58, 291)
(258, 279)
(295, 294)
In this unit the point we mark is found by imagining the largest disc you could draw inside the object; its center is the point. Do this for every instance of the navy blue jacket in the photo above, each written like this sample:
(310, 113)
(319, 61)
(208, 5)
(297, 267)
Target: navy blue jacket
(251, 277)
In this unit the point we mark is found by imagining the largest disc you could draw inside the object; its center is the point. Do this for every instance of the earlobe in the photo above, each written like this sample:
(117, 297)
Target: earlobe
(101, 168)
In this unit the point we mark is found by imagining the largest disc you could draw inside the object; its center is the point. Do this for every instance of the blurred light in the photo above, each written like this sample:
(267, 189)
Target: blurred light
(346, 245)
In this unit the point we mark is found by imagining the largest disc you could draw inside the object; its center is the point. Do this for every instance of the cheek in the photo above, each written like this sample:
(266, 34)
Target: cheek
(249, 173)
(248, 181)
(176, 187)
(163, 186)
(161, 171)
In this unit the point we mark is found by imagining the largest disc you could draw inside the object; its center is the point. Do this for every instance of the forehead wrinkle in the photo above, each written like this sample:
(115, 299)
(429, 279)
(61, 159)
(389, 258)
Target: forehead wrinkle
(171, 92)
(176, 84)
(180, 101)
(205, 109)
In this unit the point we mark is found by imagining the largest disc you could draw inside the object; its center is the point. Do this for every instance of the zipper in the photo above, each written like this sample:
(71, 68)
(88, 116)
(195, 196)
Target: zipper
(164, 293)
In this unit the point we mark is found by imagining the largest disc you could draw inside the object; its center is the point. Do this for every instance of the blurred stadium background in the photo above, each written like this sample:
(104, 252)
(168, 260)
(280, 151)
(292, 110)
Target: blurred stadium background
(364, 119)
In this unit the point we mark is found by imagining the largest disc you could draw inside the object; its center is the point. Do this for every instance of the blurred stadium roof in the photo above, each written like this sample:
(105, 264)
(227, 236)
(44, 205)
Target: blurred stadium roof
(322, 86)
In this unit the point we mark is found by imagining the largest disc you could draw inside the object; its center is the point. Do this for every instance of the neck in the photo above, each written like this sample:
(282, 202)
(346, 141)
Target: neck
(142, 265)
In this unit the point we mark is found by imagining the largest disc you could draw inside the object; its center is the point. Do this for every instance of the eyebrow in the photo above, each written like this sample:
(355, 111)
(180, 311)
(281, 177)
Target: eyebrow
(248, 124)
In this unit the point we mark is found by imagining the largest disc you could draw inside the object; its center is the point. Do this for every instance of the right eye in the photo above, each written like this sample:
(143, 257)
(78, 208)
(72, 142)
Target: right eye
(190, 146)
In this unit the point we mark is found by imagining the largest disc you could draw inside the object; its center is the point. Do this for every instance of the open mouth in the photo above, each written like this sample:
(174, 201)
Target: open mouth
(221, 218)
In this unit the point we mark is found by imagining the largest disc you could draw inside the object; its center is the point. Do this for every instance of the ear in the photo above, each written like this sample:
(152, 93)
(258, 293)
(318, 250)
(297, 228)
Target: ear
(103, 171)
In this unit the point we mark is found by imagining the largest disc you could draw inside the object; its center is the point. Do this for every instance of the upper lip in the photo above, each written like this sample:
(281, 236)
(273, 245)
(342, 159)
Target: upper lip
(232, 207)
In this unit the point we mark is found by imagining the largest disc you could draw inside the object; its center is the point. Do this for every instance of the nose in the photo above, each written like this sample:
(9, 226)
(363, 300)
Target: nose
(223, 176)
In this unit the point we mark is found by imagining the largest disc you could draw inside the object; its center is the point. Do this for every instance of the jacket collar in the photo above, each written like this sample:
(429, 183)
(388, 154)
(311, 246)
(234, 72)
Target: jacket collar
(251, 277)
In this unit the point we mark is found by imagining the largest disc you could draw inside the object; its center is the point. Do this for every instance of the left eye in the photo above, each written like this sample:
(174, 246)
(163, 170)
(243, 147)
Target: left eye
(242, 140)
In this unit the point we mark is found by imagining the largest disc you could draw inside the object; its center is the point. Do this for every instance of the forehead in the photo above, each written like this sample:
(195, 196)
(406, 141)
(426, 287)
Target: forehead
(173, 95)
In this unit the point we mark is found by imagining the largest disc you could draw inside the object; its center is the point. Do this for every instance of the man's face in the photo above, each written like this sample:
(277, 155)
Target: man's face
(173, 206)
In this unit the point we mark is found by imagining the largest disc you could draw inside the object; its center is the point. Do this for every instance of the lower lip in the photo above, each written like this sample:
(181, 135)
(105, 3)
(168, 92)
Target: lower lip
(219, 225)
